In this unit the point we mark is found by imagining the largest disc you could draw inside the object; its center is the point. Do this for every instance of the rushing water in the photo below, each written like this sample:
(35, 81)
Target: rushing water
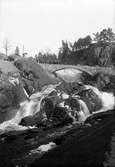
(95, 145)
(27, 108)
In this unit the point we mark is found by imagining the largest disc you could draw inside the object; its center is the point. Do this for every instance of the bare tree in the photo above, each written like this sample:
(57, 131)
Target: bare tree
(6, 46)
(17, 51)
(23, 52)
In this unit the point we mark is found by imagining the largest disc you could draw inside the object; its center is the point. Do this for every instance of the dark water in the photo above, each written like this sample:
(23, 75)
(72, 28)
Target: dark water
(91, 146)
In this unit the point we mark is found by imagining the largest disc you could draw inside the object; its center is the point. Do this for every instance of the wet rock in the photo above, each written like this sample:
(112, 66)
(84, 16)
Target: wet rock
(61, 116)
(28, 121)
(48, 107)
(73, 103)
(36, 120)
(91, 99)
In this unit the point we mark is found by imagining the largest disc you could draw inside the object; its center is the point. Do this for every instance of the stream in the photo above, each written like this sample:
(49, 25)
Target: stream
(91, 144)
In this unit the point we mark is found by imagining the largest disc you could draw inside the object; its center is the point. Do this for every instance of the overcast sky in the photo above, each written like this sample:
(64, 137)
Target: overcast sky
(42, 24)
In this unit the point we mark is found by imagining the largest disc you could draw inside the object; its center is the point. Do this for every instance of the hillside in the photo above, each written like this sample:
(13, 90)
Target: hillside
(8, 67)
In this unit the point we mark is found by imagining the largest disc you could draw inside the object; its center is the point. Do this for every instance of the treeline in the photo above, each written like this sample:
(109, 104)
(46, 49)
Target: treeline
(47, 57)
(87, 51)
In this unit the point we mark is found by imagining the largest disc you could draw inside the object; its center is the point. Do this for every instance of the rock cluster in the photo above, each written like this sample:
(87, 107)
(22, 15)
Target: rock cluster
(59, 108)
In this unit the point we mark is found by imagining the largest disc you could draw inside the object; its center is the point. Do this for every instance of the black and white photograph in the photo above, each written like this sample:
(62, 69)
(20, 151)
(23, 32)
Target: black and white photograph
(57, 83)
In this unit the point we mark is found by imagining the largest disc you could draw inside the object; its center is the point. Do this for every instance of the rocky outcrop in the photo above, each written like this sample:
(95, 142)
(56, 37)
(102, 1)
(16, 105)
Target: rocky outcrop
(11, 94)
(33, 75)
(11, 90)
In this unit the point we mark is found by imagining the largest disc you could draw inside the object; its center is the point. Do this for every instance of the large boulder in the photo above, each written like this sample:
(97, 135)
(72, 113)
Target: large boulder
(35, 120)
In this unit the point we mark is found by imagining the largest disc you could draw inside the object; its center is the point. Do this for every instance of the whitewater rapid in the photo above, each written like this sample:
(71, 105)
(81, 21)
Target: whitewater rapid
(27, 108)
(107, 99)
(32, 106)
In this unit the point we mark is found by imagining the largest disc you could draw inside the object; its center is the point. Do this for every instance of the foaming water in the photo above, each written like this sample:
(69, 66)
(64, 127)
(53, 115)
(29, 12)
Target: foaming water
(27, 108)
(108, 99)
(32, 106)
(84, 111)
(44, 148)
